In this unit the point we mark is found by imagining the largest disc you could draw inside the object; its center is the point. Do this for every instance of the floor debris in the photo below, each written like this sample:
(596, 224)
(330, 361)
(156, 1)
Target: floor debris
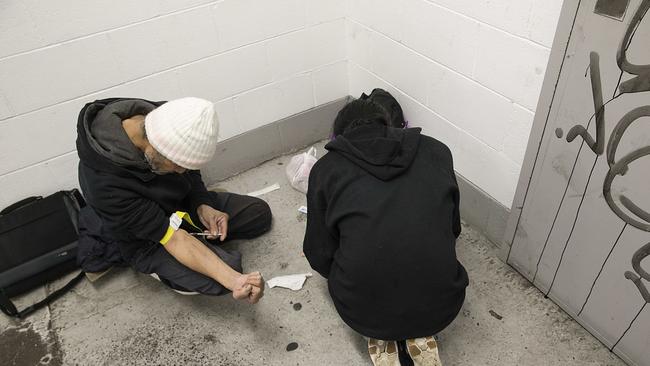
(495, 314)
(271, 188)
(292, 282)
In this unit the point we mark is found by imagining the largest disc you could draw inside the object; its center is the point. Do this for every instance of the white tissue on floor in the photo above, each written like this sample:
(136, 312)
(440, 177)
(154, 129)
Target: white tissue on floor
(265, 190)
(293, 282)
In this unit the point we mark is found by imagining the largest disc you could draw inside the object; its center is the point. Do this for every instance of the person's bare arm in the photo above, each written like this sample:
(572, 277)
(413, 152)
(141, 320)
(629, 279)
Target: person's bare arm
(195, 255)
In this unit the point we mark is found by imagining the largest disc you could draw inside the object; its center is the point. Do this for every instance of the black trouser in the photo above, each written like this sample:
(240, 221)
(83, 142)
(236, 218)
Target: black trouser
(249, 217)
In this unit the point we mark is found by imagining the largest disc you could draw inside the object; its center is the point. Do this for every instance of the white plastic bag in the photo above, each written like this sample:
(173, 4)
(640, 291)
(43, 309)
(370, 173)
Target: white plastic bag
(299, 167)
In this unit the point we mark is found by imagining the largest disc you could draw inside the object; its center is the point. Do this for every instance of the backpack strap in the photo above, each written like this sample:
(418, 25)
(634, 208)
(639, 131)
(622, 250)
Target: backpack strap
(7, 306)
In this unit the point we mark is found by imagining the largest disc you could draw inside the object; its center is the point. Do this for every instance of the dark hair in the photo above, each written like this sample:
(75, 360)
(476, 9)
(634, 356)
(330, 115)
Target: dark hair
(358, 113)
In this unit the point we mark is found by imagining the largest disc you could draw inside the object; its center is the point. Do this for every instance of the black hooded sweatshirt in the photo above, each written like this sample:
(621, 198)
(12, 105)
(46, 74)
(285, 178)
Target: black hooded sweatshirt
(133, 203)
(382, 224)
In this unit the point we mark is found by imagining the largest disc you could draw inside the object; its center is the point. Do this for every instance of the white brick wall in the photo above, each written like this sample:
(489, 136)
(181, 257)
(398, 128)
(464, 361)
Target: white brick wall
(259, 60)
(467, 71)
(274, 101)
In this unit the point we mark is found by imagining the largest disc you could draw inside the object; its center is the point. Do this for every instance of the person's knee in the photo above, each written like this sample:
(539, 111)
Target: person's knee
(253, 220)
(263, 215)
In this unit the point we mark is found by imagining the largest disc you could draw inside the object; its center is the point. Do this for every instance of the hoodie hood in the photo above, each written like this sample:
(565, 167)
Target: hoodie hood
(102, 142)
(382, 151)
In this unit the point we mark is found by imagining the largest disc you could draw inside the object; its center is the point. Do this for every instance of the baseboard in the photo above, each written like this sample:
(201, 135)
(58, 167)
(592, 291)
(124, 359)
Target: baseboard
(253, 148)
(483, 212)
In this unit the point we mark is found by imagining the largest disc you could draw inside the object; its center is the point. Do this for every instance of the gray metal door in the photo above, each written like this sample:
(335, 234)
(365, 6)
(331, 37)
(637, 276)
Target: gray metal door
(580, 224)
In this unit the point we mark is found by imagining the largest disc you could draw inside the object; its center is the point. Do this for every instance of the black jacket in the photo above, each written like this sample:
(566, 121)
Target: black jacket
(382, 224)
(133, 203)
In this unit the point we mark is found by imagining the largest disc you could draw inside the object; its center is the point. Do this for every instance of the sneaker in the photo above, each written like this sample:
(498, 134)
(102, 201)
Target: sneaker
(383, 353)
(186, 293)
(423, 351)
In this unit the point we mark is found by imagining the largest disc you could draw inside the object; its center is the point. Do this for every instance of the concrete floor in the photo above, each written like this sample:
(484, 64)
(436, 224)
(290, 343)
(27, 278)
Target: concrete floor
(127, 318)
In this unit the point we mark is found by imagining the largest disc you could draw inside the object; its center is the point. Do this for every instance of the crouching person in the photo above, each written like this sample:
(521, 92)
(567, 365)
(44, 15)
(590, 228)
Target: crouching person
(383, 218)
(147, 204)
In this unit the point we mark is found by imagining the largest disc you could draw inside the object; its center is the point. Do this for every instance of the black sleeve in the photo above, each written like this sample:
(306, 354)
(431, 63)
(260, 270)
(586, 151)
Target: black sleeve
(198, 194)
(133, 217)
(319, 245)
(125, 214)
(442, 155)
(456, 227)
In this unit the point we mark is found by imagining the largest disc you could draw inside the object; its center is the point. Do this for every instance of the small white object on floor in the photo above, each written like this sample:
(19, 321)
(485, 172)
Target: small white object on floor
(271, 188)
(302, 209)
(292, 282)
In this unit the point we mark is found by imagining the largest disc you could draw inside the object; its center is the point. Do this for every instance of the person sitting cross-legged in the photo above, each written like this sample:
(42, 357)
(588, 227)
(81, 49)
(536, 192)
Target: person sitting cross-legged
(147, 204)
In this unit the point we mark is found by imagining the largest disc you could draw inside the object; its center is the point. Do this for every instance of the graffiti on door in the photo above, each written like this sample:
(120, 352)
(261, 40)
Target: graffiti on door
(626, 209)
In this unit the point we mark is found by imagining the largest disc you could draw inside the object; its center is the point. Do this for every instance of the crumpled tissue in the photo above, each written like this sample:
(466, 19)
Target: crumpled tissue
(292, 282)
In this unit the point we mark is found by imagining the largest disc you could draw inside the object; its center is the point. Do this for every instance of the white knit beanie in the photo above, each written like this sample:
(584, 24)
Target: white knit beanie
(184, 131)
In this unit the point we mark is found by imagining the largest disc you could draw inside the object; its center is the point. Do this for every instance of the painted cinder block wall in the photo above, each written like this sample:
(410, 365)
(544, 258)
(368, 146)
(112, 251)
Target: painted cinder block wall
(259, 60)
(469, 72)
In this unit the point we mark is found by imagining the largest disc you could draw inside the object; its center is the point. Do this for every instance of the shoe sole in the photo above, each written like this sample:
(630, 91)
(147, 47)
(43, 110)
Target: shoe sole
(425, 354)
(380, 355)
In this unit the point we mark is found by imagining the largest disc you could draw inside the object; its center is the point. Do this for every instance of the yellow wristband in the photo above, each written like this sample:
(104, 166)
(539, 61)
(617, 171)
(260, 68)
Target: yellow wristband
(168, 235)
(175, 221)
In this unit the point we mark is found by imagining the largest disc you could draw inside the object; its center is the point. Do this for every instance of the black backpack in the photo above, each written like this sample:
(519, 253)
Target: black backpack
(38, 244)
(389, 103)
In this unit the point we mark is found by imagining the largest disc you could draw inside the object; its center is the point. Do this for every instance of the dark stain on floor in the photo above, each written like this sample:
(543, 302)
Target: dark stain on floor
(209, 338)
(23, 346)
